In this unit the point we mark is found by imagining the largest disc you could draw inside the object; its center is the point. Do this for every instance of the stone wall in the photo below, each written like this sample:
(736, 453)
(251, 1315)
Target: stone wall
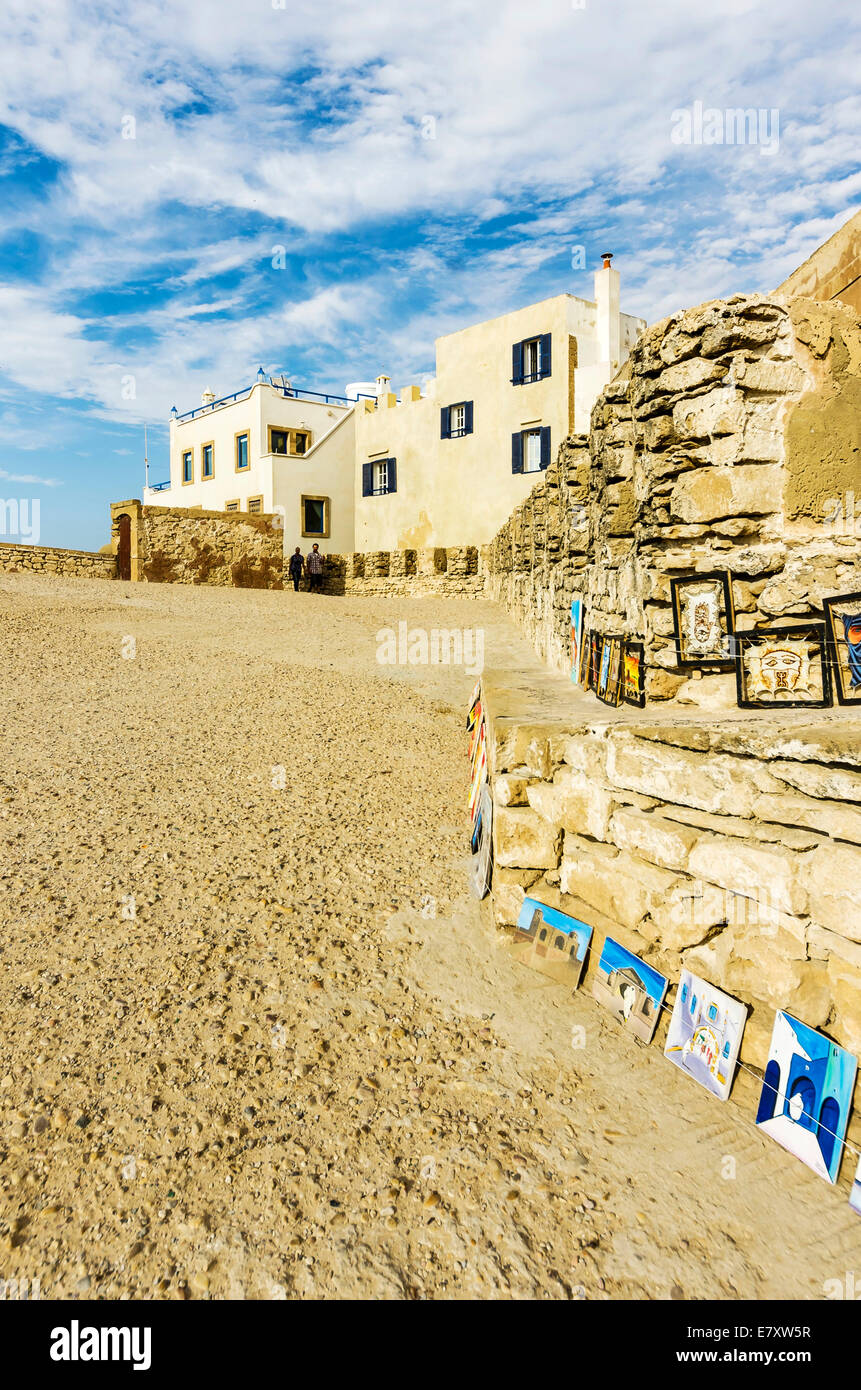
(454, 572)
(731, 440)
(174, 545)
(728, 847)
(45, 559)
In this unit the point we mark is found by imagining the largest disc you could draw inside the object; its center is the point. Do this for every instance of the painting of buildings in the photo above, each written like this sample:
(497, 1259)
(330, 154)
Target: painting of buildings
(807, 1094)
(705, 1034)
(630, 989)
(552, 942)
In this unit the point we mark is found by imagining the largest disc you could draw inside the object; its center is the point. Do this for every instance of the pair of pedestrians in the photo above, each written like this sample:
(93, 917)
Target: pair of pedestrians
(312, 565)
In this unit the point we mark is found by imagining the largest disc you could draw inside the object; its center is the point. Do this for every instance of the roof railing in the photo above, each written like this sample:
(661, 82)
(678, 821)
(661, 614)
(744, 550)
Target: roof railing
(300, 393)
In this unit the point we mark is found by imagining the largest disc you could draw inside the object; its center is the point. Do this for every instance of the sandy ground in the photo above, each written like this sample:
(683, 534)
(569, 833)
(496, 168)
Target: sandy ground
(258, 1041)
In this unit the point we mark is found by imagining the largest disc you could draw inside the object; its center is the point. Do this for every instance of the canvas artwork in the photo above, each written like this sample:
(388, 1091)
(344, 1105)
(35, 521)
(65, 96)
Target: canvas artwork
(552, 942)
(474, 710)
(782, 666)
(610, 683)
(704, 620)
(855, 1194)
(585, 652)
(705, 1034)
(843, 631)
(576, 636)
(479, 773)
(482, 845)
(630, 989)
(596, 645)
(633, 691)
(807, 1094)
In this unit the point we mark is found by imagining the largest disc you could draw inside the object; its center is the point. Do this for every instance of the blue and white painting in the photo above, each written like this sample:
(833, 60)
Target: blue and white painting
(855, 1194)
(551, 941)
(576, 637)
(631, 989)
(807, 1095)
(705, 1034)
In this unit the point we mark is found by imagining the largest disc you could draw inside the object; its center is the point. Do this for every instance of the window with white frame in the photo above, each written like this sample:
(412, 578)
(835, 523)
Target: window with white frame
(532, 451)
(381, 476)
(530, 358)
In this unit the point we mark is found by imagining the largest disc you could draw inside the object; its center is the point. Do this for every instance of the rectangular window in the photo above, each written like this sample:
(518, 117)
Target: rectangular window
(532, 451)
(187, 466)
(241, 452)
(379, 477)
(207, 456)
(315, 516)
(232, 506)
(255, 504)
(293, 443)
(530, 359)
(456, 420)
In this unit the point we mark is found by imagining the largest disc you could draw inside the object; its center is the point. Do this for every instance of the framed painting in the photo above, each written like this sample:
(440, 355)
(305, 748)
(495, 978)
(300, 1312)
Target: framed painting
(633, 686)
(551, 942)
(482, 846)
(630, 989)
(843, 633)
(576, 636)
(807, 1095)
(596, 643)
(782, 668)
(584, 658)
(610, 679)
(705, 1034)
(704, 620)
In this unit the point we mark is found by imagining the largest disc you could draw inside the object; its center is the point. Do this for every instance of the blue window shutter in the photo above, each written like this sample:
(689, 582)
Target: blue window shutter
(517, 364)
(545, 445)
(367, 480)
(393, 474)
(444, 422)
(544, 355)
(467, 413)
(517, 452)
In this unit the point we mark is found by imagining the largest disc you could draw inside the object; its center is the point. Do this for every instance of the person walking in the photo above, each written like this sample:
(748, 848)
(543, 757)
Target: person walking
(295, 568)
(314, 568)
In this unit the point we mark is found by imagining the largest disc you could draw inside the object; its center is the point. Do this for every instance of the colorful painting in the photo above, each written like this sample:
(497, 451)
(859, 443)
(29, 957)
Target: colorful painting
(633, 691)
(807, 1095)
(855, 1194)
(596, 645)
(479, 773)
(552, 942)
(585, 650)
(482, 845)
(843, 631)
(782, 667)
(704, 620)
(576, 636)
(474, 710)
(705, 1034)
(630, 989)
(610, 680)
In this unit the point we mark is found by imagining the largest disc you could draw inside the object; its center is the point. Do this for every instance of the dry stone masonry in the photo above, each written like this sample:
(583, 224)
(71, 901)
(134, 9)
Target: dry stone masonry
(175, 545)
(731, 440)
(45, 559)
(454, 571)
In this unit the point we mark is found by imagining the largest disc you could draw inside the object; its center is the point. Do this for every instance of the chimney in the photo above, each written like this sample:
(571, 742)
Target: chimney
(383, 384)
(608, 320)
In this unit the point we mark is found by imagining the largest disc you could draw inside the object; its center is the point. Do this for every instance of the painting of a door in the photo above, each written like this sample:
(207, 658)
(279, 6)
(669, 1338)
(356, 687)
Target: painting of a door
(124, 549)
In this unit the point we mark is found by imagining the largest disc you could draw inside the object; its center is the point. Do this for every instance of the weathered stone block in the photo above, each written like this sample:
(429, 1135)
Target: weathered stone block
(650, 836)
(709, 493)
(524, 840)
(573, 801)
(834, 886)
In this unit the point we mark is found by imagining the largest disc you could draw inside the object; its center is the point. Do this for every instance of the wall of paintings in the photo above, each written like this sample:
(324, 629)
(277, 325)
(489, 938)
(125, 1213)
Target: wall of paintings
(717, 492)
(807, 1086)
(791, 666)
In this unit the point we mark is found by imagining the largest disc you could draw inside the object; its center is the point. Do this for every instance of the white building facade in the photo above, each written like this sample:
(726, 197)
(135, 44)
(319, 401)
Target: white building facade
(443, 466)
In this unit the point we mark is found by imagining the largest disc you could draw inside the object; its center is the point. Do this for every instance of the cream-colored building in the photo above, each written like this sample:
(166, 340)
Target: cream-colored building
(443, 467)
(447, 467)
(268, 448)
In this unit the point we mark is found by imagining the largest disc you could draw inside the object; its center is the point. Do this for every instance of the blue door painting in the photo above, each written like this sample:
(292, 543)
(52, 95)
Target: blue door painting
(807, 1094)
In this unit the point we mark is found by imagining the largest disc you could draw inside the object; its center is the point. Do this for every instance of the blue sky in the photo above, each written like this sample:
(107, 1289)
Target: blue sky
(424, 167)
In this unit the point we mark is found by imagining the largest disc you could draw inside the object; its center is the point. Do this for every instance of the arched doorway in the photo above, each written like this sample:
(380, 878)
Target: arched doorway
(124, 547)
(829, 1119)
(770, 1087)
(801, 1102)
